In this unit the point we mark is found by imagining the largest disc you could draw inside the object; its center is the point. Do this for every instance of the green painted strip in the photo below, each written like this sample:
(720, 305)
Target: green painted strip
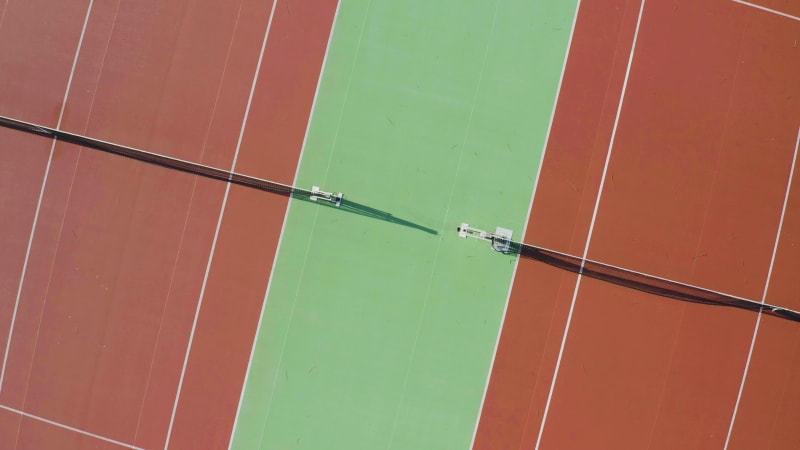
(377, 334)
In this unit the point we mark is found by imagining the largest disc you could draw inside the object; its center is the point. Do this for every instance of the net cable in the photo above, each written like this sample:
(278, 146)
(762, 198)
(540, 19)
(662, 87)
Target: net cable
(628, 278)
(170, 162)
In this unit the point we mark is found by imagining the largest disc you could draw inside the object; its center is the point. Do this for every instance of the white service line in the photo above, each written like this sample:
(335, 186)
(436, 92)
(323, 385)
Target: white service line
(283, 228)
(763, 8)
(525, 227)
(67, 427)
(219, 226)
(41, 195)
(766, 289)
(591, 227)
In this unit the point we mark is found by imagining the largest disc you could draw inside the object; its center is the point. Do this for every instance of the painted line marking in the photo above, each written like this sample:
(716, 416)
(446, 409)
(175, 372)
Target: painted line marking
(186, 219)
(444, 223)
(283, 228)
(766, 289)
(316, 215)
(764, 8)
(527, 221)
(219, 226)
(591, 227)
(41, 195)
(67, 427)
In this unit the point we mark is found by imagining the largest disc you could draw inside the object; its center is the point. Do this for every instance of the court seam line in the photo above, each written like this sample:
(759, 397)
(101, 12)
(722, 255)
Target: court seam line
(3, 15)
(219, 226)
(67, 427)
(283, 227)
(766, 290)
(527, 221)
(314, 220)
(435, 259)
(765, 9)
(41, 193)
(591, 226)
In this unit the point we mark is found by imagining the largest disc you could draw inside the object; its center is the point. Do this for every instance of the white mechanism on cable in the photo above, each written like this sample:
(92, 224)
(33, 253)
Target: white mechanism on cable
(500, 239)
(327, 196)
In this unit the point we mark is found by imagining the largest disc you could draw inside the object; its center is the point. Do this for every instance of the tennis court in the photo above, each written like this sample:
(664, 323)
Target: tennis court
(146, 307)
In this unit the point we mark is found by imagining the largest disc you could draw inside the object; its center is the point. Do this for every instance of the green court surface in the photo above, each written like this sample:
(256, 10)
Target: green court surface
(379, 334)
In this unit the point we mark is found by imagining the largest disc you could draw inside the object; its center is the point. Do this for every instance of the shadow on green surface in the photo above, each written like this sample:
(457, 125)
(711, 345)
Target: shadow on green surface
(352, 207)
(205, 171)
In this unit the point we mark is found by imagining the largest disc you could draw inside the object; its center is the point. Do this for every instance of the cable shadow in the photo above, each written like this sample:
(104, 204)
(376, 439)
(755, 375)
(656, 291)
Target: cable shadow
(352, 207)
(644, 282)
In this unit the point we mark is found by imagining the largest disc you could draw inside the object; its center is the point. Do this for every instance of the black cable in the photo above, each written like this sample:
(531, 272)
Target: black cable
(650, 284)
(161, 160)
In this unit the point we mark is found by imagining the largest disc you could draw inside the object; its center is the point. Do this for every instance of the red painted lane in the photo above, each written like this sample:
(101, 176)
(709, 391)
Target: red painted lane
(107, 308)
(694, 193)
(768, 413)
(251, 227)
(560, 218)
(34, 69)
(39, 435)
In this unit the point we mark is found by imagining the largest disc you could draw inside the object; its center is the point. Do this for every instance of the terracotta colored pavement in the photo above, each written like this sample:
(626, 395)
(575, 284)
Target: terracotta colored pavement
(768, 412)
(117, 266)
(39, 435)
(88, 348)
(29, 55)
(562, 209)
(693, 192)
(252, 225)
(791, 7)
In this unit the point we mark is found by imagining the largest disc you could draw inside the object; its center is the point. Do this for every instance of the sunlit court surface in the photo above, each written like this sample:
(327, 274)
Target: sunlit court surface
(178, 268)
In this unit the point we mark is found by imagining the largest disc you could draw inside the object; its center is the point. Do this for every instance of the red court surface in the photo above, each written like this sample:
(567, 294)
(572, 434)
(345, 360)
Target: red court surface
(787, 7)
(698, 160)
(123, 326)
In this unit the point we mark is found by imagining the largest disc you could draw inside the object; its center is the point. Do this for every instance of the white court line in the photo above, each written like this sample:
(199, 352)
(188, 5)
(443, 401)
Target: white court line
(591, 227)
(314, 220)
(41, 195)
(527, 221)
(444, 223)
(219, 226)
(67, 427)
(186, 219)
(763, 8)
(283, 227)
(766, 288)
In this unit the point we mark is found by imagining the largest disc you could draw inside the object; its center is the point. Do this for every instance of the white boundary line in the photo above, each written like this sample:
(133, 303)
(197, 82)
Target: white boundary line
(41, 194)
(186, 219)
(766, 289)
(283, 228)
(591, 227)
(314, 220)
(219, 225)
(527, 221)
(67, 427)
(763, 8)
(445, 216)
